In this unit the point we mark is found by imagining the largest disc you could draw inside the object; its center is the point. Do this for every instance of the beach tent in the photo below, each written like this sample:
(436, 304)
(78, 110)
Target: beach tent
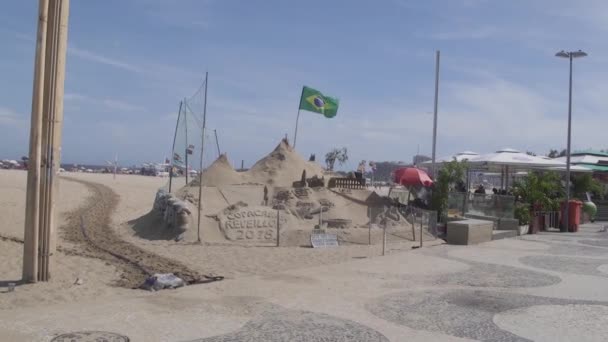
(411, 176)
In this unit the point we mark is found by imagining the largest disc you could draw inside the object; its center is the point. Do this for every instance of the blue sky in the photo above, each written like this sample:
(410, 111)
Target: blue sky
(131, 61)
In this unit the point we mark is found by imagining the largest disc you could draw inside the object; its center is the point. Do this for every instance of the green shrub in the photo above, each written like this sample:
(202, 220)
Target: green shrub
(522, 213)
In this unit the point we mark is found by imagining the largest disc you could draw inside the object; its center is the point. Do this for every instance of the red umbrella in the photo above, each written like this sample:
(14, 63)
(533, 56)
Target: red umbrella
(411, 176)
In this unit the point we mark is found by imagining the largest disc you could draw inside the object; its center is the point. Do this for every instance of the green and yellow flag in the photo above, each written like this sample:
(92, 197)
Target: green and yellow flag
(314, 101)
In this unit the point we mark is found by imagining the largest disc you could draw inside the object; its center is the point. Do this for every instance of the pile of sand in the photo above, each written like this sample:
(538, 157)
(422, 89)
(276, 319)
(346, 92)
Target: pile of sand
(220, 173)
(282, 167)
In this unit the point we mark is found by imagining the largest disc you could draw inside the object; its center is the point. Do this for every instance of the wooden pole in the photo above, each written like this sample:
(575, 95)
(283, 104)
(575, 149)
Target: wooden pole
(56, 129)
(47, 115)
(384, 240)
(369, 237)
(179, 114)
(30, 246)
(217, 143)
(421, 234)
(278, 229)
(45, 139)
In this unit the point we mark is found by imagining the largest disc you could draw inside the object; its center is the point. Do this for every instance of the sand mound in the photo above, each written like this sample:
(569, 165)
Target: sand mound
(282, 167)
(220, 173)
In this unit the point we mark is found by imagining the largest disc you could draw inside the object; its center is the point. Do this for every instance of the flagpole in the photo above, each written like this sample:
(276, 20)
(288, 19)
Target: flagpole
(200, 172)
(295, 135)
(186, 121)
(179, 114)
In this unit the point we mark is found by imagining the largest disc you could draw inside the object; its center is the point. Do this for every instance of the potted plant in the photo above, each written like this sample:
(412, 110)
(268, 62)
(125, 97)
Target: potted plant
(538, 192)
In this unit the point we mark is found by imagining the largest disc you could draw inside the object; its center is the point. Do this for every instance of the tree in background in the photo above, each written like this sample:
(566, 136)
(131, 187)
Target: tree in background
(556, 153)
(337, 154)
(553, 153)
(530, 153)
(583, 183)
(448, 176)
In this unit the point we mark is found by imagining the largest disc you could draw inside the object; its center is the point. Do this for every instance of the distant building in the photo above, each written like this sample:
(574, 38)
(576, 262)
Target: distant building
(591, 159)
(419, 159)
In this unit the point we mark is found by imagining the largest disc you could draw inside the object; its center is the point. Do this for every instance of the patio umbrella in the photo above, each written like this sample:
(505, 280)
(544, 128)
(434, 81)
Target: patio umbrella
(411, 176)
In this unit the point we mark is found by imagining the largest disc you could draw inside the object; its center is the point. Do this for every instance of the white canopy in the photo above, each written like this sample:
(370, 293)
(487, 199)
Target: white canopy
(573, 168)
(460, 156)
(583, 159)
(511, 157)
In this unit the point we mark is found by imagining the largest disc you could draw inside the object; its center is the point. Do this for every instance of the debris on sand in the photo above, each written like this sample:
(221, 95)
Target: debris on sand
(161, 281)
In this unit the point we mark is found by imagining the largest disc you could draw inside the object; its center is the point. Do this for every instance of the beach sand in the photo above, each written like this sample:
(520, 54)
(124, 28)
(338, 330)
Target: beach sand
(134, 196)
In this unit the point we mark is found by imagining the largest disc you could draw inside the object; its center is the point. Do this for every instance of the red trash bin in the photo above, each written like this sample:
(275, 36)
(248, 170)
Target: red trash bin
(574, 214)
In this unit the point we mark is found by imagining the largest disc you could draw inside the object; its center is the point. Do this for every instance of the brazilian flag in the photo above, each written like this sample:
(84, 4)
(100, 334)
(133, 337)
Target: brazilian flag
(314, 101)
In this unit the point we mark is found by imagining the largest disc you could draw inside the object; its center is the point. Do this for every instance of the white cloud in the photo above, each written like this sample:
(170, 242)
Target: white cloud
(9, 117)
(73, 99)
(121, 106)
(98, 58)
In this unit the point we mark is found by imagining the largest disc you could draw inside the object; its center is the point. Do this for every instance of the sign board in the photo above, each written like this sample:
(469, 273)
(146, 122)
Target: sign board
(252, 224)
(323, 240)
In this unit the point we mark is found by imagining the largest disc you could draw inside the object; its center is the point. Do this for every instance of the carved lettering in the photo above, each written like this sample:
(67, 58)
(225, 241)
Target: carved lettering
(253, 224)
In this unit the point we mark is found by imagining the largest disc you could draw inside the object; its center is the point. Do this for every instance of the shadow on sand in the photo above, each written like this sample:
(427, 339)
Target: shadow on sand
(151, 227)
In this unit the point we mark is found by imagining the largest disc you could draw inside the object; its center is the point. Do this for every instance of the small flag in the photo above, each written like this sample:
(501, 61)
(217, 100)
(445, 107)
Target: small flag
(314, 101)
(190, 149)
(373, 166)
(177, 158)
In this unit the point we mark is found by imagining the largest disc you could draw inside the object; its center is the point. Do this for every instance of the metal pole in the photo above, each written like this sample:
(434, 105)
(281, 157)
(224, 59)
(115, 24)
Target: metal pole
(30, 247)
(186, 150)
(567, 214)
(295, 135)
(217, 143)
(179, 114)
(437, 56)
(200, 172)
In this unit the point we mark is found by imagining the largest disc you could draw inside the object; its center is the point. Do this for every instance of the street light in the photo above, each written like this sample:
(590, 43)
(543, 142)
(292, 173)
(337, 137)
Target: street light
(570, 55)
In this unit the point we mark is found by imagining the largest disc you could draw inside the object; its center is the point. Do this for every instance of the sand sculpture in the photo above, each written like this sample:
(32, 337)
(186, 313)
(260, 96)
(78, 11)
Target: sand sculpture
(173, 211)
(280, 190)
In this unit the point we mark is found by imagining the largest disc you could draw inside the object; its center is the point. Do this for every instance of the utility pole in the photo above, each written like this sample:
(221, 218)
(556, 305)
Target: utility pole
(45, 139)
(437, 56)
(569, 55)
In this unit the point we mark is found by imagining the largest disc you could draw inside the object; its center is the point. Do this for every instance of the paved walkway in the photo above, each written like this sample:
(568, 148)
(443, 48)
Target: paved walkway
(545, 287)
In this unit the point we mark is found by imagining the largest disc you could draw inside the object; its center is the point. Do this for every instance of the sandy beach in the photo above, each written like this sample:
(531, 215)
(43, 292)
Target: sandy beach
(128, 199)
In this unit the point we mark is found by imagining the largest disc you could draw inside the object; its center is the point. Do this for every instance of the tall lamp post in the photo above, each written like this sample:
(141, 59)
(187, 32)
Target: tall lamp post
(570, 55)
(437, 56)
